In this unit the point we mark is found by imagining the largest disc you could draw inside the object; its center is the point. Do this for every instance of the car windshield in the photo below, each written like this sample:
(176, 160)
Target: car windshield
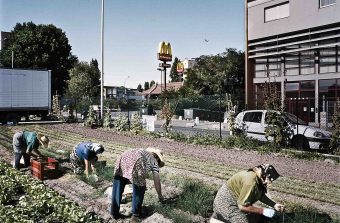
(293, 119)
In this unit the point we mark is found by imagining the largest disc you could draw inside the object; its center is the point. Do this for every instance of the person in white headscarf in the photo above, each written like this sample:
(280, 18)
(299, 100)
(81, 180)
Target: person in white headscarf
(84, 156)
(234, 200)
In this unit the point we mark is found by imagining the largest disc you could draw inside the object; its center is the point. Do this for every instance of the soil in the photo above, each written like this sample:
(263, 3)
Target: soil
(73, 188)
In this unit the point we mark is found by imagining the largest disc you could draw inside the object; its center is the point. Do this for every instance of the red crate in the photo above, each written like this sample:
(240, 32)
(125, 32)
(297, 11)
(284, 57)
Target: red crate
(46, 168)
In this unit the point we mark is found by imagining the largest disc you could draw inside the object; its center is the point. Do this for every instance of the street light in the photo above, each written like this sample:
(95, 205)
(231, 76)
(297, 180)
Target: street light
(102, 57)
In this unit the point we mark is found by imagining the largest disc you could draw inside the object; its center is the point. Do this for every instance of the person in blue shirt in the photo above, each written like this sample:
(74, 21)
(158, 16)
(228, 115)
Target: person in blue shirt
(26, 144)
(84, 155)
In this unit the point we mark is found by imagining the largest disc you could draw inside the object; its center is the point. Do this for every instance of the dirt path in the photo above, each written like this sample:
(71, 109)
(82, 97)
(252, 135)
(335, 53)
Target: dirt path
(314, 171)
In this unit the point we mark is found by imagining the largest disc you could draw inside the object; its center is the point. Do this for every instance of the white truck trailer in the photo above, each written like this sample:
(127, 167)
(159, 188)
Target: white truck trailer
(24, 93)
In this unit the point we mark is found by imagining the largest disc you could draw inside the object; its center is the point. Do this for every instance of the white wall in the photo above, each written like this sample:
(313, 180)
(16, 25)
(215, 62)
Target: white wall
(304, 14)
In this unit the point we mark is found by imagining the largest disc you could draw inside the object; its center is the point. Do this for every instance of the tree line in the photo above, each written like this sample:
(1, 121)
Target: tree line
(47, 47)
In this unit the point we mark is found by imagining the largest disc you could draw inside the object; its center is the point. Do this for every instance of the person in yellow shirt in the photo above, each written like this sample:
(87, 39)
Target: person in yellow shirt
(234, 200)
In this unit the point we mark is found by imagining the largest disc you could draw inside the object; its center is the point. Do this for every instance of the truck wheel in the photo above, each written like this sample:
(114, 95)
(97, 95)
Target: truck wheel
(12, 117)
(301, 143)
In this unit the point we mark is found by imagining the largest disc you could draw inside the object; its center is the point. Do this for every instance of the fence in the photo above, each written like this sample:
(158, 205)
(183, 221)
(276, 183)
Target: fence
(204, 112)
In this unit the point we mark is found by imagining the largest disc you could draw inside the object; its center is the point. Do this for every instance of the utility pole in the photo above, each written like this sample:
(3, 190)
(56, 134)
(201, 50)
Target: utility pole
(12, 59)
(102, 68)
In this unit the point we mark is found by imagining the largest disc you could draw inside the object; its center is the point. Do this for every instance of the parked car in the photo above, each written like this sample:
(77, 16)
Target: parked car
(253, 123)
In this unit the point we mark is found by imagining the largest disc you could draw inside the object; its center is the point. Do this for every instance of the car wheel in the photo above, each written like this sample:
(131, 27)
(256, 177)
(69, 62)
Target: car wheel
(301, 143)
(13, 118)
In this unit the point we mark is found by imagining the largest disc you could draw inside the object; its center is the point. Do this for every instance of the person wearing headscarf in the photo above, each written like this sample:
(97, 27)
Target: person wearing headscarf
(84, 155)
(132, 166)
(234, 200)
(26, 144)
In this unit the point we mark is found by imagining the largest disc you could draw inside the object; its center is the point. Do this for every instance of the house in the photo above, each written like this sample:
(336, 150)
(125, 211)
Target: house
(156, 90)
(296, 45)
(115, 92)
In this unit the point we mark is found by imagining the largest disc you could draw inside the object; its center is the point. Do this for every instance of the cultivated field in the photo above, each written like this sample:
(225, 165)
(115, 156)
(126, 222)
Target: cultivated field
(305, 184)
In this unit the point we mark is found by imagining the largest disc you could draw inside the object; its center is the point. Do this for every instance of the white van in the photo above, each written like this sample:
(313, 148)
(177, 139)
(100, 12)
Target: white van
(252, 123)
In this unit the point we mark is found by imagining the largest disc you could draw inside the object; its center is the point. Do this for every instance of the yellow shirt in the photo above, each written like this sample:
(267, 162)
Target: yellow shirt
(247, 189)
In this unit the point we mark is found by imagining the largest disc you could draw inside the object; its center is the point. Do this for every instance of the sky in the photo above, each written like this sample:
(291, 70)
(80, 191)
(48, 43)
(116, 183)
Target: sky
(133, 30)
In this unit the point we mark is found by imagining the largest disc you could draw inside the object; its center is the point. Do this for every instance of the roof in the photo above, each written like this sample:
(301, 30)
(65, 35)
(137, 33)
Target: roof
(156, 89)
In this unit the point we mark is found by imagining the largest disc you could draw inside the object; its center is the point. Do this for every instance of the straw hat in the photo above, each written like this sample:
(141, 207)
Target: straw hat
(43, 140)
(159, 155)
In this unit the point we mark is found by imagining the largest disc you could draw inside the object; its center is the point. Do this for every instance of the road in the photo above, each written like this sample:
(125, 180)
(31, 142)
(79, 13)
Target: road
(192, 130)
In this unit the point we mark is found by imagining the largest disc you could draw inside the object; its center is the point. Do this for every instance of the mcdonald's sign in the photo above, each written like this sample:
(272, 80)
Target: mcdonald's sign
(164, 51)
(180, 67)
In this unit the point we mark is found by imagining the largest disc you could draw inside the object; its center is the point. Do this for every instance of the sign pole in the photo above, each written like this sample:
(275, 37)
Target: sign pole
(164, 77)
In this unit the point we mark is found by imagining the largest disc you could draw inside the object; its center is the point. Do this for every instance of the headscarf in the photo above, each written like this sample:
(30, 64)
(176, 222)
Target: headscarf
(268, 171)
(97, 148)
(265, 171)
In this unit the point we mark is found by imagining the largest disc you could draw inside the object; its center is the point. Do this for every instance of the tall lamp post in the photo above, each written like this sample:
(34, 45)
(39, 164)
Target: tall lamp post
(127, 102)
(102, 57)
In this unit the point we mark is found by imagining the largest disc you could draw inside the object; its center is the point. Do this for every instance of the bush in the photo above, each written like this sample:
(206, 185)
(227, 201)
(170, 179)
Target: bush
(107, 119)
(136, 123)
(121, 123)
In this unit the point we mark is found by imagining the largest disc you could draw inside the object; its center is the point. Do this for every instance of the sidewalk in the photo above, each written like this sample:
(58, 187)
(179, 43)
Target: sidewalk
(191, 124)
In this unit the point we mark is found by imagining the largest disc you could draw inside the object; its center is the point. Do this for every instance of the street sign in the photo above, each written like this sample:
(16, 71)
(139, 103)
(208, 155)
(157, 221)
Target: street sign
(164, 51)
(164, 65)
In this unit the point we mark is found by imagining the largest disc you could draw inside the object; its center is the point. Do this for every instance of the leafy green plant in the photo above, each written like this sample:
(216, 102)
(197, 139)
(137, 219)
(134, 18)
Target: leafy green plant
(107, 119)
(91, 118)
(336, 124)
(121, 123)
(297, 213)
(136, 123)
(34, 202)
(276, 129)
(56, 110)
(166, 114)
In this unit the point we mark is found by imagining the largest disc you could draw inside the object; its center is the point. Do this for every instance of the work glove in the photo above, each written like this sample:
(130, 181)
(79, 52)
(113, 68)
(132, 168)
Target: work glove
(279, 207)
(268, 212)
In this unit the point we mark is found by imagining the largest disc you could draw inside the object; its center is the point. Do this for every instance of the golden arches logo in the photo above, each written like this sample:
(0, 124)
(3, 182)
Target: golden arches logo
(180, 67)
(164, 51)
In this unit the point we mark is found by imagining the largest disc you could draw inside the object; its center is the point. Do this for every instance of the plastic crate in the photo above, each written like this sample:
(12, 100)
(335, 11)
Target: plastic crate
(46, 168)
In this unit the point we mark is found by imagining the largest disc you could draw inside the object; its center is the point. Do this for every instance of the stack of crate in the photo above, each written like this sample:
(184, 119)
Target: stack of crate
(45, 168)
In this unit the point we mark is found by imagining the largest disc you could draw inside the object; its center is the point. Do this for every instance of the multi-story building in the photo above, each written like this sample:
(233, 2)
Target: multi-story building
(188, 64)
(296, 45)
(3, 37)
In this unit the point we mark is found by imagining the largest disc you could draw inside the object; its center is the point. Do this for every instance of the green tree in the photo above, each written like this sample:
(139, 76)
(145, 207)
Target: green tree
(152, 83)
(173, 71)
(84, 80)
(146, 86)
(336, 125)
(40, 47)
(139, 88)
(218, 74)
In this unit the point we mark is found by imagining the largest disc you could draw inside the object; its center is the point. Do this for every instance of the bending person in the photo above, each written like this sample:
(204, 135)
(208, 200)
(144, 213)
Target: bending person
(234, 200)
(84, 155)
(132, 167)
(26, 144)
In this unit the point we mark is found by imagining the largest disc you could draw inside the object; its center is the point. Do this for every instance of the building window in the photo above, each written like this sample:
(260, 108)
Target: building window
(327, 60)
(275, 12)
(324, 3)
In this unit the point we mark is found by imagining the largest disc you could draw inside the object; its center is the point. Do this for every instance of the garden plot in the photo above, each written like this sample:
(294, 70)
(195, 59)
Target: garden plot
(182, 161)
